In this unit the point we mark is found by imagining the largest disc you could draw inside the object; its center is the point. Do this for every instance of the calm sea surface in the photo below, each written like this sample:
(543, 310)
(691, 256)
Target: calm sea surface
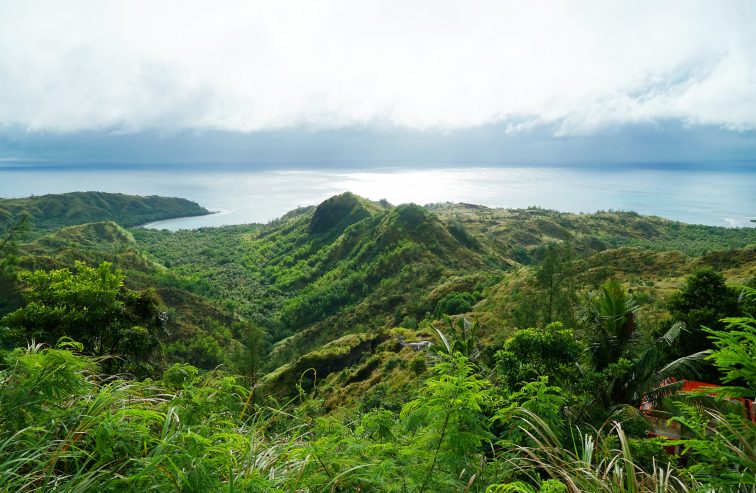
(714, 196)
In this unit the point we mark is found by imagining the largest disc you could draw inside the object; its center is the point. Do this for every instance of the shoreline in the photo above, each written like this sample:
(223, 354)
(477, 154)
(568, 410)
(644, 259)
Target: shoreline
(154, 224)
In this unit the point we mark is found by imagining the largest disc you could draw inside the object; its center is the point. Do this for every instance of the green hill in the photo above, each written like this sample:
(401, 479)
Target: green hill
(320, 273)
(353, 266)
(520, 233)
(47, 212)
(336, 347)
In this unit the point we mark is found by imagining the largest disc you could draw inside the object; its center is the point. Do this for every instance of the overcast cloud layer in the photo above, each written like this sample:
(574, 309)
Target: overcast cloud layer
(248, 66)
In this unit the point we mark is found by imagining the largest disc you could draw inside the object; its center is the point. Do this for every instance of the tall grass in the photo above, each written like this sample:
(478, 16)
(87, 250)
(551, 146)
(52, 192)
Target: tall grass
(597, 462)
(113, 434)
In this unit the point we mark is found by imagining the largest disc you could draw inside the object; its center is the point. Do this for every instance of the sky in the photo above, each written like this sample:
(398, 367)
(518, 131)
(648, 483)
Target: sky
(377, 82)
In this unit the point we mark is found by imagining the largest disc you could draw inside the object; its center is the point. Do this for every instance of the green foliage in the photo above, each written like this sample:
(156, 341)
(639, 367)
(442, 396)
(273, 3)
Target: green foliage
(610, 321)
(179, 375)
(308, 287)
(462, 338)
(648, 452)
(530, 353)
(628, 379)
(10, 236)
(408, 322)
(40, 380)
(735, 353)
(691, 239)
(601, 461)
(249, 356)
(555, 277)
(309, 277)
(447, 419)
(548, 486)
(204, 350)
(553, 486)
(89, 306)
(63, 428)
(307, 297)
(537, 397)
(337, 213)
(455, 303)
(703, 301)
(719, 446)
(418, 364)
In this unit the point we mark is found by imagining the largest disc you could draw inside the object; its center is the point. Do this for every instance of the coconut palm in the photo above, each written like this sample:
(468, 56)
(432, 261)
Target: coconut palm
(624, 374)
(611, 322)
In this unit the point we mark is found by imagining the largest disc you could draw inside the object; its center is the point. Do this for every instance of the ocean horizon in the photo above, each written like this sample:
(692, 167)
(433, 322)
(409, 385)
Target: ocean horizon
(717, 195)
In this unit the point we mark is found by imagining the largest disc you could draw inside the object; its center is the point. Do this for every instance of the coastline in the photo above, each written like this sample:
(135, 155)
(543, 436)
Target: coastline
(174, 220)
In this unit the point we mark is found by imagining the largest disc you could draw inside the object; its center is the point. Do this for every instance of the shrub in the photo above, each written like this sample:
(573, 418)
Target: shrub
(418, 364)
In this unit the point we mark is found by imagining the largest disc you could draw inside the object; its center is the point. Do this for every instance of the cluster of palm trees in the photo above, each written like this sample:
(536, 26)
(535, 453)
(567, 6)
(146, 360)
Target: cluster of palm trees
(610, 318)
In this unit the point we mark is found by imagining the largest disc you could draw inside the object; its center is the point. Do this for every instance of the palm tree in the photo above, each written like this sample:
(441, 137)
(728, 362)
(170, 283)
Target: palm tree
(626, 377)
(610, 318)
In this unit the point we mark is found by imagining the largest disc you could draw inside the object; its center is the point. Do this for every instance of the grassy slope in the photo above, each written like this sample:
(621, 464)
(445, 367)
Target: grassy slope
(518, 233)
(190, 316)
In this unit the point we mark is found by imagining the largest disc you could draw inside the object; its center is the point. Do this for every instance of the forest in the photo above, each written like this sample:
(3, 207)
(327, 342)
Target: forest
(360, 346)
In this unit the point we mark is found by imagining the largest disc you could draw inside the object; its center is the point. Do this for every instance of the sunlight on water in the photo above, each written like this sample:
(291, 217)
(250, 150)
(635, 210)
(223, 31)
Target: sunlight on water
(708, 197)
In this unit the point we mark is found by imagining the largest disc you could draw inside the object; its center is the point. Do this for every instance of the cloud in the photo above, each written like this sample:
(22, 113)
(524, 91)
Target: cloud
(68, 66)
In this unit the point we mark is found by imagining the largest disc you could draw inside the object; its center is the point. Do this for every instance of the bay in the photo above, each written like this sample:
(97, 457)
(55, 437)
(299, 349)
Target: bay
(719, 196)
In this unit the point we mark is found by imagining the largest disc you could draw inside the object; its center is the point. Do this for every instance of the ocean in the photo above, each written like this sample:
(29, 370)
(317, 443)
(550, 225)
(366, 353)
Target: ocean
(713, 195)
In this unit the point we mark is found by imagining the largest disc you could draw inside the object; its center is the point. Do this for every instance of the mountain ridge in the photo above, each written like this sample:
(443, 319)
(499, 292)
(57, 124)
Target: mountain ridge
(353, 266)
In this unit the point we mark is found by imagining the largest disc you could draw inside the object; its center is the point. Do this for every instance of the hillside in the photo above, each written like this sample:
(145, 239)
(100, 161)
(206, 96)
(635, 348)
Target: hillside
(319, 273)
(361, 333)
(48, 212)
(351, 266)
(520, 232)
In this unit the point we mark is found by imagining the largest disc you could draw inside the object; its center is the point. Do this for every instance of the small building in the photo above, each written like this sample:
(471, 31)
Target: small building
(661, 426)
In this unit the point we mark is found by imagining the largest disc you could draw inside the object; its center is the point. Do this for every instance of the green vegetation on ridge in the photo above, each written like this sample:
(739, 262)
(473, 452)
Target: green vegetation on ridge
(360, 346)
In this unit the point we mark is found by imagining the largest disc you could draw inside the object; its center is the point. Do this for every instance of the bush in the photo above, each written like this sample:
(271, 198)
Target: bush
(179, 375)
(455, 303)
(418, 364)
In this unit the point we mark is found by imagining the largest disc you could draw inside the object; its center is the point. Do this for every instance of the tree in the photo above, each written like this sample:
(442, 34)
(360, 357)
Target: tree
(735, 352)
(91, 306)
(9, 293)
(555, 277)
(448, 418)
(610, 321)
(721, 434)
(249, 356)
(8, 238)
(619, 374)
(703, 301)
(462, 339)
(532, 353)
(455, 303)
